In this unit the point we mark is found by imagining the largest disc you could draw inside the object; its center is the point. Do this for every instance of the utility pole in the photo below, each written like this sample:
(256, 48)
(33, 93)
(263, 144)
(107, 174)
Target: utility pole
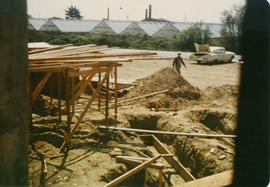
(14, 100)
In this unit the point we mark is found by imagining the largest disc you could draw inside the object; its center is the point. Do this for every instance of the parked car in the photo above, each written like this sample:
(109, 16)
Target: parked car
(211, 54)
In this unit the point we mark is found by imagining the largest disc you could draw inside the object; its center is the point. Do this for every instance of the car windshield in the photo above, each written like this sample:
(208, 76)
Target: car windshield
(219, 51)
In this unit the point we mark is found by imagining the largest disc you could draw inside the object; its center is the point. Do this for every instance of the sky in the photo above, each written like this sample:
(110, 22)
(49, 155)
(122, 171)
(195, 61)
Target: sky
(173, 10)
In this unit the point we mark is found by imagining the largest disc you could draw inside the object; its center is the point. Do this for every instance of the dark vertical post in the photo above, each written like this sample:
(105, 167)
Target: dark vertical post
(99, 99)
(72, 97)
(14, 100)
(59, 97)
(67, 91)
(115, 91)
(107, 98)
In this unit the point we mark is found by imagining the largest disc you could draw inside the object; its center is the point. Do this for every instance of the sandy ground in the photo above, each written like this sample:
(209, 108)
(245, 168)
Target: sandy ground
(198, 75)
(90, 161)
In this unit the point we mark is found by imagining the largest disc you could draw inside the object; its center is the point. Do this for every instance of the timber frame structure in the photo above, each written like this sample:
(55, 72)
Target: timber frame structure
(71, 70)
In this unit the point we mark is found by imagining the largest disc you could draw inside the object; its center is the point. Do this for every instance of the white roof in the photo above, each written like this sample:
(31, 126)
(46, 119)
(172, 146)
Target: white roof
(118, 26)
(151, 27)
(37, 23)
(65, 25)
(181, 26)
(215, 29)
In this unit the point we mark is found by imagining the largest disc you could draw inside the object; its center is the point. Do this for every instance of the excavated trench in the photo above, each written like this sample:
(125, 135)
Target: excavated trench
(194, 153)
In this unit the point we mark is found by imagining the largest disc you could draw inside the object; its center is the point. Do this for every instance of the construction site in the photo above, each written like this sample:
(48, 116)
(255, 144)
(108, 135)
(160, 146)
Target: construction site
(102, 115)
(107, 118)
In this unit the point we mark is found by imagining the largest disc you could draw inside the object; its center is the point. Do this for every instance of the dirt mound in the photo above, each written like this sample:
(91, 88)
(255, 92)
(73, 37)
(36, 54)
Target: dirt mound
(221, 92)
(165, 79)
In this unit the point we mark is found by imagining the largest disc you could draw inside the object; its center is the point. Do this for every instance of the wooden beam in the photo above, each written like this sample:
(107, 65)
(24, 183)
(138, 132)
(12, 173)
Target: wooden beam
(158, 166)
(221, 179)
(40, 86)
(143, 96)
(169, 132)
(132, 172)
(187, 176)
(94, 56)
(48, 49)
(86, 108)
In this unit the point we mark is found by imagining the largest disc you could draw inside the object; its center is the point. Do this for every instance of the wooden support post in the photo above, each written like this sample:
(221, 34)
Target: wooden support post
(59, 97)
(39, 87)
(160, 180)
(86, 108)
(72, 97)
(99, 99)
(132, 172)
(107, 98)
(67, 97)
(115, 92)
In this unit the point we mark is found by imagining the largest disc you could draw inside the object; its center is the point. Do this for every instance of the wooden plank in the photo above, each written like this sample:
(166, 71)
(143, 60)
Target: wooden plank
(169, 132)
(48, 49)
(187, 176)
(93, 56)
(71, 66)
(132, 172)
(143, 96)
(86, 108)
(72, 61)
(40, 86)
(158, 166)
(62, 51)
(221, 179)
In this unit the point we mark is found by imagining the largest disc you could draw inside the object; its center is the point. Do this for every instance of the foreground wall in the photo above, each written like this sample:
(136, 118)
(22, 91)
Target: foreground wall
(14, 106)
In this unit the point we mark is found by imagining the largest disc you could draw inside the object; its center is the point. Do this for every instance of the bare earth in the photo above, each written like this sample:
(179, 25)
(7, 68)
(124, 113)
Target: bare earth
(91, 162)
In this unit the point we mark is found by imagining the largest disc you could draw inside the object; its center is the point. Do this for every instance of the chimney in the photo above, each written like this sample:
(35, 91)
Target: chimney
(108, 14)
(150, 11)
(146, 12)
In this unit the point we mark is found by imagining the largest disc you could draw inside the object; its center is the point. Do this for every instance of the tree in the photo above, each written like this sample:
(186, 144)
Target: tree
(231, 28)
(73, 13)
(197, 33)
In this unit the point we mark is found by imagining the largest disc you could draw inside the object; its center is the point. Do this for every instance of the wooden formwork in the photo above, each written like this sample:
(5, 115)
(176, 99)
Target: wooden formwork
(65, 72)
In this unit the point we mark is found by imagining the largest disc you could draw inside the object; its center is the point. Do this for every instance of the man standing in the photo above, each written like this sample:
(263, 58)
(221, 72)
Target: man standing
(177, 62)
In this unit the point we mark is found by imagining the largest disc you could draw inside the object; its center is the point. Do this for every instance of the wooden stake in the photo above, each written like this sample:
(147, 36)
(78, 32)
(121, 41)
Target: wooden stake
(160, 180)
(132, 172)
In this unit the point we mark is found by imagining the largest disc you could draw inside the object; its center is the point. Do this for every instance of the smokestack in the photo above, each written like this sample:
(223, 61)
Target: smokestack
(146, 13)
(150, 11)
(108, 14)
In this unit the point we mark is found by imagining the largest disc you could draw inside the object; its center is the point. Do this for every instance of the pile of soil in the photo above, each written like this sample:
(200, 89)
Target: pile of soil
(225, 92)
(165, 79)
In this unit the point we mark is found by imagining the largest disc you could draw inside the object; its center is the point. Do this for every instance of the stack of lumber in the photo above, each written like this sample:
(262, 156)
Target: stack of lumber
(64, 57)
